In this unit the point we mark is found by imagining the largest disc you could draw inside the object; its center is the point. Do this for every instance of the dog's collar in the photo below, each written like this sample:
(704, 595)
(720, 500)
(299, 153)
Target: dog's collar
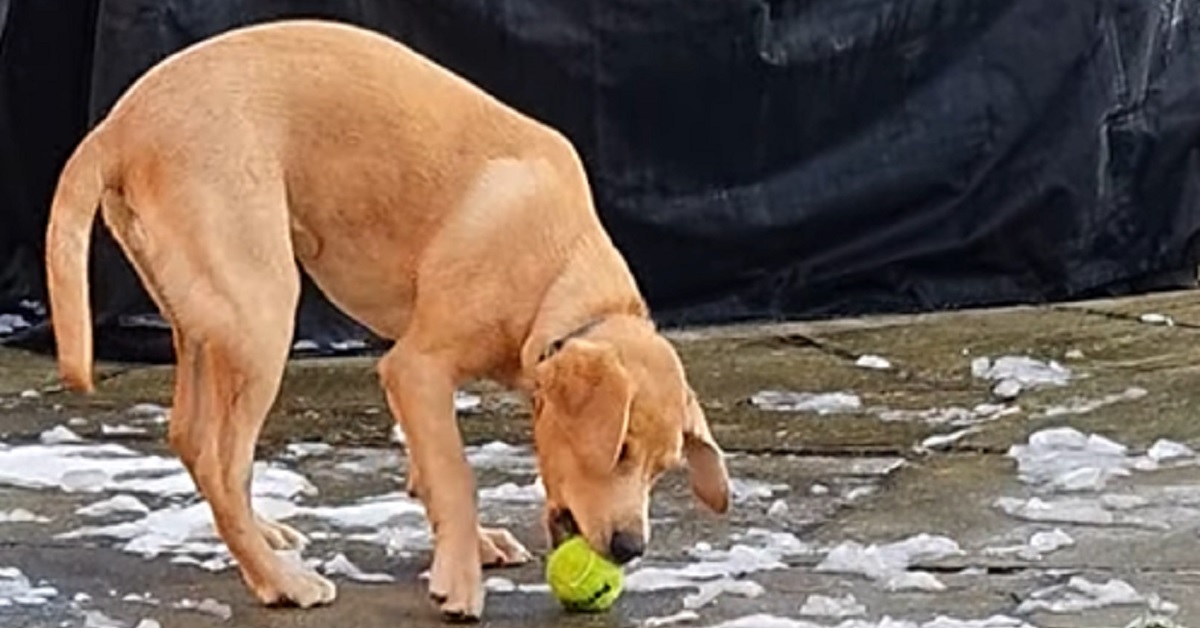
(557, 344)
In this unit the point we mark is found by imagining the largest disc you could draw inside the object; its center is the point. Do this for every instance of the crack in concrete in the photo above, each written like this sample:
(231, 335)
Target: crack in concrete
(1122, 316)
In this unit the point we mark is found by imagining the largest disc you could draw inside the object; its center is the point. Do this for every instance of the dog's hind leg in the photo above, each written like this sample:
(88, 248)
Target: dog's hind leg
(229, 287)
(236, 373)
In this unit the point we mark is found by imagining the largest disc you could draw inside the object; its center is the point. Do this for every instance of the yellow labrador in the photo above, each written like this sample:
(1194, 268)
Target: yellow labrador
(425, 209)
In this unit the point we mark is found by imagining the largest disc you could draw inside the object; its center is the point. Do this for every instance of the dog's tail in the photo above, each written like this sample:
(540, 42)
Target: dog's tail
(68, 241)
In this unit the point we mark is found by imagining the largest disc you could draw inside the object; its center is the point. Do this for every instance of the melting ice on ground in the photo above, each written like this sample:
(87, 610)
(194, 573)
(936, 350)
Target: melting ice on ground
(16, 588)
(20, 515)
(836, 607)
(869, 361)
(1039, 544)
(753, 551)
(1082, 405)
(763, 620)
(889, 563)
(1065, 459)
(820, 403)
(1080, 594)
(1026, 371)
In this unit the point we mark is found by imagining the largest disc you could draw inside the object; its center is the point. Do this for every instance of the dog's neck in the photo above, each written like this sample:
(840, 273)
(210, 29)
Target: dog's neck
(578, 302)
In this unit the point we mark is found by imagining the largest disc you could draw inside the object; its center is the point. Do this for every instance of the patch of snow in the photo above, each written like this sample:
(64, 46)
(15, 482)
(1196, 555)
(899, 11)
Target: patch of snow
(819, 403)
(1080, 594)
(914, 581)
(149, 411)
(512, 492)
(953, 416)
(1154, 318)
(305, 450)
(188, 531)
(778, 509)
(744, 490)
(466, 402)
(112, 467)
(836, 607)
(1044, 542)
(500, 585)
(121, 430)
(1077, 511)
(30, 394)
(20, 515)
(500, 455)
(1007, 389)
(17, 589)
(118, 504)
(876, 362)
(59, 435)
(141, 598)
(1164, 450)
(681, 617)
(1084, 406)
(709, 591)
(97, 619)
(340, 565)
(208, 606)
(859, 492)
(756, 550)
(765, 620)
(1065, 459)
(1039, 544)
(888, 563)
(818, 489)
(1027, 372)
(941, 441)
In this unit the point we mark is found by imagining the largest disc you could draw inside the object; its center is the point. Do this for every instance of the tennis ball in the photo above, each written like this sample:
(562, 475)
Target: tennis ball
(581, 579)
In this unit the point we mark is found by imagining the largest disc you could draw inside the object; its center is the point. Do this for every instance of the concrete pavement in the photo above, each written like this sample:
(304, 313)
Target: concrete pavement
(864, 494)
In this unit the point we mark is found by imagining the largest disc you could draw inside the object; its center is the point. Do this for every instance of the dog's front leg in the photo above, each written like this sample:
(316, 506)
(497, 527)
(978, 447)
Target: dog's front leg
(420, 393)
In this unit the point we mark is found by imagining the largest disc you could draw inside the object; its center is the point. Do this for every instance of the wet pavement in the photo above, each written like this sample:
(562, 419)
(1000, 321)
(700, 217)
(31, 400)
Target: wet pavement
(884, 473)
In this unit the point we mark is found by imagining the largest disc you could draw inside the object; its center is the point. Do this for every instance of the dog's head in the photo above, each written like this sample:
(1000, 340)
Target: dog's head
(613, 411)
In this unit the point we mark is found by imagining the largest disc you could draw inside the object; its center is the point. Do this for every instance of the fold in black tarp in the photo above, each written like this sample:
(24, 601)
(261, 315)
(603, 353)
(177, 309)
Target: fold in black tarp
(753, 158)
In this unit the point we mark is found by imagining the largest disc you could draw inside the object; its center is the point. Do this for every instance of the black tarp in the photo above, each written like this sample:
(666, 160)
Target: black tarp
(754, 159)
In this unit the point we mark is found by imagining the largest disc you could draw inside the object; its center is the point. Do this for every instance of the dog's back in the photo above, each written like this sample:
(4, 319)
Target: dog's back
(389, 167)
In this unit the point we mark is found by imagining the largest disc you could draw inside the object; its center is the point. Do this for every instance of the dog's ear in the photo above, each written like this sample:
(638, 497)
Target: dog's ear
(705, 460)
(587, 393)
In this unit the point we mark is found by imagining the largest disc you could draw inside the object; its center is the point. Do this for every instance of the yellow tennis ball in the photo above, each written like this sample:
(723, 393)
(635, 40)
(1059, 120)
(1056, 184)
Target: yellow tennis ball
(581, 579)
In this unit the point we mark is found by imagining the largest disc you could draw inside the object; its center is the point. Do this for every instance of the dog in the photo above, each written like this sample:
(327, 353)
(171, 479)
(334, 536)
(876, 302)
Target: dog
(425, 209)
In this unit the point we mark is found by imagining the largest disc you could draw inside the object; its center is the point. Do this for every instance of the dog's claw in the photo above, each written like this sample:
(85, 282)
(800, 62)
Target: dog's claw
(300, 588)
(280, 536)
(459, 617)
(456, 582)
(499, 548)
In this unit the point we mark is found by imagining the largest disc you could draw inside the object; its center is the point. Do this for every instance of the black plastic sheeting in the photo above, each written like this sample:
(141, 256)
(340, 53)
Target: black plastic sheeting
(754, 159)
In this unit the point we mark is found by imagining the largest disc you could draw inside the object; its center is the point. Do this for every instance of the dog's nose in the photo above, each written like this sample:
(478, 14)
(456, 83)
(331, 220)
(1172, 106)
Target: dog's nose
(625, 547)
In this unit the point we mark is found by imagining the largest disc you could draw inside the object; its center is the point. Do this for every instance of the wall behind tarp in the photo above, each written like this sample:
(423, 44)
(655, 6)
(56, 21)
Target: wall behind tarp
(754, 159)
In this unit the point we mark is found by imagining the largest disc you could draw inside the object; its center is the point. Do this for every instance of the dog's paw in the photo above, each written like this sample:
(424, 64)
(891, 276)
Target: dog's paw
(299, 587)
(456, 584)
(280, 536)
(499, 548)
